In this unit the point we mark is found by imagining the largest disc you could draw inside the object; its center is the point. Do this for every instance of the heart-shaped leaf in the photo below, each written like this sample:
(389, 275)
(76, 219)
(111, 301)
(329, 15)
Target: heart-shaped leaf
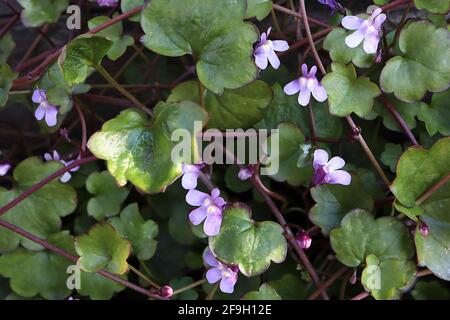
(7, 45)
(433, 249)
(139, 150)
(103, 247)
(292, 156)
(98, 287)
(239, 108)
(426, 59)
(436, 115)
(35, 13)
(333, 202)
(212, 31)
(340, 52)
(250, 245)
(433, 6)
(41, 273)
(386, 246)
(115, 34)
(140, 232)
(391, 154)
(40, 213)
(108, 196)
(258, 8)
(388, 278)
(347, 93)
(418, 170)
(265, 292)
(430, 290)
(6, 80)
(80, 55)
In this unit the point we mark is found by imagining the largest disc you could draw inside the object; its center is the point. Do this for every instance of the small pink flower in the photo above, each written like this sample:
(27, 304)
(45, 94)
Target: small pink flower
(424, 229)
(307, 84)
(265, 51)
(328, 171)
(45, 109)
(227, 274)
(210, 210)
(368, 30)
(245, 173)
(56, 157)
(303, 240)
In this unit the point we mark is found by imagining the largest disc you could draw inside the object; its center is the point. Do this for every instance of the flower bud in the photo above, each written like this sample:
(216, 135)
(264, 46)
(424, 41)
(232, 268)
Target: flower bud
(353, 278)
(245, 173)
(424, 229)
(303, 240)
(166, 291)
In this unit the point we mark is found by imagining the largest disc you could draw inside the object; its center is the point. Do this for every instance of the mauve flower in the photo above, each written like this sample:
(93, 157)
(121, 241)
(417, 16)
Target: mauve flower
(4, 168)
(424, 229)
(245, 173)
(265, 51)
(307, 84)
(56, 157)
(107, 3)
(367, 30)
(303, 240)
(190, 175)
(334, 5)
(166, 291)
(328, 171)
(45, 109)
(210, 210)
(227, 274)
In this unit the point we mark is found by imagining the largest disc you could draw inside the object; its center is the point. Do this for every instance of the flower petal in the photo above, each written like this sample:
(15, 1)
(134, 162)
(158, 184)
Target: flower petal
(339, 177)
(212, 224)
(336, 163)
(352, 22)
(219, 202)
(261, 60)
(4, 168)
(371, 44)
(380, 20)
(292, 87)
(197, 216)
(227, 283)
(320, 158)
(273, 58)
(40, 112)
(312, 72)
(355, 38)
(304, 69)
(66, 177)
(304, 97)
(38, 96)
(280, 45)
(50, 116)
(189, 180)
(209, 258)
(319, 93)
(48, 156)
(213, 275)
(196, 198)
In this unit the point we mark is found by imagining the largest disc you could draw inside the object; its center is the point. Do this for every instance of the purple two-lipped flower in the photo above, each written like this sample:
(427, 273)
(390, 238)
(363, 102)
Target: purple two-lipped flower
(45, 109)
(246, 173)
(107, 3)
(327, 171)
(367, 30)
(56, 157)
(307, 84)
(209, 209)
(227, 274)
(265, 51)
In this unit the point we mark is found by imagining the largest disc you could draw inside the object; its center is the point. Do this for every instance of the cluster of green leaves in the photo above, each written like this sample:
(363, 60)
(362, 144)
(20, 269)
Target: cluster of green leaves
(96, 217)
